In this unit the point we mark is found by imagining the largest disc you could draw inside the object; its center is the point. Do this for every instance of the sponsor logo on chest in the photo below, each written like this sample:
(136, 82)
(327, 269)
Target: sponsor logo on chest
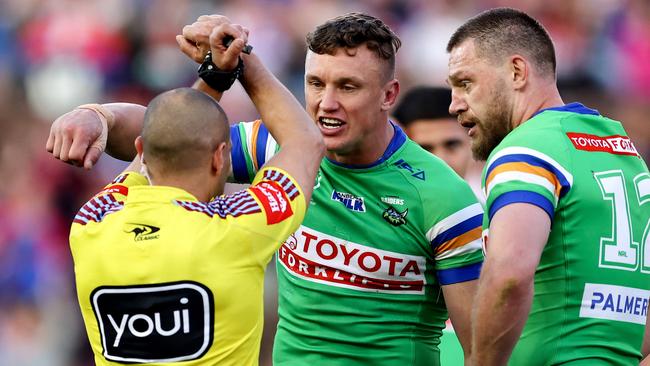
(392, 200)
(394, 217)
(350, 201)
(624, 304)
(318, 257)
(415, 172)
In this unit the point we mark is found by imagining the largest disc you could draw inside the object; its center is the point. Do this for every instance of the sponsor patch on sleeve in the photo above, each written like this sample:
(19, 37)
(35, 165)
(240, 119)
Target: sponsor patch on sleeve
(115, 188)
(619, 145)
(274, 200)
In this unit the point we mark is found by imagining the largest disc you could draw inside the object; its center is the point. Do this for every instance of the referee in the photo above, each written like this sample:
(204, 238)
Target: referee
(167, 273)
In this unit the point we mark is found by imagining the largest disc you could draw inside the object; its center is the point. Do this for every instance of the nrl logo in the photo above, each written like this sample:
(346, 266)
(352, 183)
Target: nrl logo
(142, 232)
(395, 217)
(292, 242)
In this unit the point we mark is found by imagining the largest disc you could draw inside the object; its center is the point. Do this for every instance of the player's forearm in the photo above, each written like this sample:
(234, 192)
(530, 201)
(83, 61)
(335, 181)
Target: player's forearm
(284, 117)
(503, 302)
(199, 84)
(128, 123)
(459, 298)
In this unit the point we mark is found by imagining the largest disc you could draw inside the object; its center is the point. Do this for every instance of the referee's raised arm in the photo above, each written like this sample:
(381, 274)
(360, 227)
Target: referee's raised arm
(302, 144)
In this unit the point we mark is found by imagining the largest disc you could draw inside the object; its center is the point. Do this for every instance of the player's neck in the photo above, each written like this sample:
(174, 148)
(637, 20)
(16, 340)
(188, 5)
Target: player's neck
(369, 151)
(537, 100)
(196, 186)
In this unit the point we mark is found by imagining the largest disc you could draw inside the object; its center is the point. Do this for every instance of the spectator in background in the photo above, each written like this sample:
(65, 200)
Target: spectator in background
(424, 114)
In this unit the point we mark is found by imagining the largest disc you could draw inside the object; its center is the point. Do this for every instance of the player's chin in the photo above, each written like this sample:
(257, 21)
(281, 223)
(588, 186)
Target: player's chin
(336, 143)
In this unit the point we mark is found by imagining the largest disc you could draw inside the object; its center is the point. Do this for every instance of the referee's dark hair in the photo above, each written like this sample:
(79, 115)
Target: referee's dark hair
(423, 102)
(501, 32)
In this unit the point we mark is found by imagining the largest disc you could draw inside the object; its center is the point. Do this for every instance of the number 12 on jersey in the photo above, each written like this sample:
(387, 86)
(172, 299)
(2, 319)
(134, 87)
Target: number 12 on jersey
(620, 251)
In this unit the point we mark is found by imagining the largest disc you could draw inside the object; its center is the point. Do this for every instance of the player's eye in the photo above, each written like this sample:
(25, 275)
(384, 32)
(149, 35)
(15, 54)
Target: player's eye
(315, 83)
(428, 147)
(452, 144)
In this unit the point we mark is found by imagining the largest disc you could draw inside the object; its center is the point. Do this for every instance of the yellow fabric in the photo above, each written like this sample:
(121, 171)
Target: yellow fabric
(118, 249)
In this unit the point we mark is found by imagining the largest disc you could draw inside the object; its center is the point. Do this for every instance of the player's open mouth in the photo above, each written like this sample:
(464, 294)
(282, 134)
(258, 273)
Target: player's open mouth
(470, 126)
(330, 123)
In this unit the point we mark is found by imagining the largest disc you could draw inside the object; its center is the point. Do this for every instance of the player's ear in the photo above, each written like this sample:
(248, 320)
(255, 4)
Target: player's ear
(390, 92)
(519, 71)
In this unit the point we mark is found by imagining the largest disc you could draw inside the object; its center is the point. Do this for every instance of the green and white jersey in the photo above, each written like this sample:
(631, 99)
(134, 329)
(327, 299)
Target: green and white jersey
(592, 283)
(360, 281)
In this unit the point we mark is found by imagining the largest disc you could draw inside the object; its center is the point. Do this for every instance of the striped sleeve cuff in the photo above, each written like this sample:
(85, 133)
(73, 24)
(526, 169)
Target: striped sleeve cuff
(522, 197)
(460, 274)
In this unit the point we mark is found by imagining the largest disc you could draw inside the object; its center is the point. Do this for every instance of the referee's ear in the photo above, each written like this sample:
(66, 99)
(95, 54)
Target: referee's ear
(221, 159)
(137, 164)
(139, 146)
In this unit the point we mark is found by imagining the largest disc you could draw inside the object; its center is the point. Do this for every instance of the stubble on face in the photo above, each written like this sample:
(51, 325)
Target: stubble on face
(494, 125)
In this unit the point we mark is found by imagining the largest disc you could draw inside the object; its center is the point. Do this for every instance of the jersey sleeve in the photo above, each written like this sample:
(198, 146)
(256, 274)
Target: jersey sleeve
(517, 174)
(455, 232)
(273, 208)
(252, 146)
(109, 199)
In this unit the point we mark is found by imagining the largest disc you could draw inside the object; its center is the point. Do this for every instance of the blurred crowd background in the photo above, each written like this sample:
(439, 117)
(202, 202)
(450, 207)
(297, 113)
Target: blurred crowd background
(56, 54)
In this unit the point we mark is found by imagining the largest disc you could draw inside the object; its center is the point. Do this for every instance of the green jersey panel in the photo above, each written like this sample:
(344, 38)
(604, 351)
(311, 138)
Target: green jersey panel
(592, 284)
(360, 280)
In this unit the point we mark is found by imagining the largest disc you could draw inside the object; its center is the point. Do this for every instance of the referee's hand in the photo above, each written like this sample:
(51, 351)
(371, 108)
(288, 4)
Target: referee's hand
(77, 138)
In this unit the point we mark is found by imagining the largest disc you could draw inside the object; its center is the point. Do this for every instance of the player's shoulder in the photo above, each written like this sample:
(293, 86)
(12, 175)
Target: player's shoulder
(413, 159)
(432, 179)
(432, 173)
(538, 139)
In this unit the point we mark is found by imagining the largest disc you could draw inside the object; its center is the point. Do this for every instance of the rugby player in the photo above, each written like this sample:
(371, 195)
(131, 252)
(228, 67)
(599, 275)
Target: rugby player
(566, 275)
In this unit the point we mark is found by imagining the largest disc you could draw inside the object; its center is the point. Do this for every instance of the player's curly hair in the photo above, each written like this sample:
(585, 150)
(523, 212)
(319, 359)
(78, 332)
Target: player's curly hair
(353, 30)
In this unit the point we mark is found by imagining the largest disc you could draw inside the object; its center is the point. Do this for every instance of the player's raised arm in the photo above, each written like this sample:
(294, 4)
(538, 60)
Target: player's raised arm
(286, 120)
(194, 42)
(80, 136)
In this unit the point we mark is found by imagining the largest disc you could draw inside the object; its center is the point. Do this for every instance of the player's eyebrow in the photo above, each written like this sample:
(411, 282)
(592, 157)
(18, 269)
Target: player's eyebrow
(455, 77)
(348, 80)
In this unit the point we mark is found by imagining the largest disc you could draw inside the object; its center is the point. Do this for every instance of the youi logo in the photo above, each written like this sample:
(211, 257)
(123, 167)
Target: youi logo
(168, 322)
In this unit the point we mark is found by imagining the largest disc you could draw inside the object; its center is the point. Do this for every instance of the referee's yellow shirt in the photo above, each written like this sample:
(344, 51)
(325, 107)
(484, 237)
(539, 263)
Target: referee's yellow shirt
(164, 279)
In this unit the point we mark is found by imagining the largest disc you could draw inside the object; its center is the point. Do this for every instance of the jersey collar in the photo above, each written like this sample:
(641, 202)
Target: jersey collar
(399, 138)
(148, 193)
(572, 108)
